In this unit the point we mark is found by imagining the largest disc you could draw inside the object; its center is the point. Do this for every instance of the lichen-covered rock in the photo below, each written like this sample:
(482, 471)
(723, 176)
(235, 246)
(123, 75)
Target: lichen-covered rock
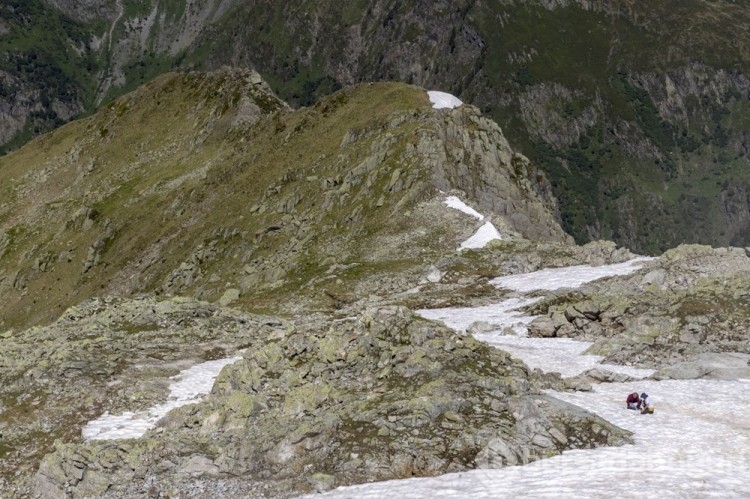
(103, 355)
(709, 365)
(382, 395)
(689, 302)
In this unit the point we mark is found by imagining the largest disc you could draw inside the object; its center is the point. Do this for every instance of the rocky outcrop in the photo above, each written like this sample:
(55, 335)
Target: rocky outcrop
(104, 355)
(711, 365)
(680, 310)
(483, 166)
(383, 395)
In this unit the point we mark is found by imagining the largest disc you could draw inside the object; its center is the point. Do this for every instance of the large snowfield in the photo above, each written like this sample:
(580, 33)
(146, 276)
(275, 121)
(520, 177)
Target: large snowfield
(696, 444)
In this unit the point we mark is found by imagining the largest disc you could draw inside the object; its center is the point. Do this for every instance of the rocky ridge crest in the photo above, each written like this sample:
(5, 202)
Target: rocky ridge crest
(205, 184)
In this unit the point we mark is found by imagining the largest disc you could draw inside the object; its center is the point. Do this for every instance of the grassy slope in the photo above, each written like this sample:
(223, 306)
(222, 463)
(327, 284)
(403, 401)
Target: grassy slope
(649, 201)
(160, 178)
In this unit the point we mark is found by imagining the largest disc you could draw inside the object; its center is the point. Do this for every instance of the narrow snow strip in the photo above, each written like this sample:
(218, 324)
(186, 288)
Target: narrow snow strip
(562, 355)
(481, 237)
(566, 277)
(507, 329)
(442, 100)
(502, 316)
(189, 387)
(454, 202)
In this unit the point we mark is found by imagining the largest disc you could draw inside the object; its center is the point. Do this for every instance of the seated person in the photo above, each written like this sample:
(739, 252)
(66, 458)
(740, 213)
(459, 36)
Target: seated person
(633, 401)
(646, 404)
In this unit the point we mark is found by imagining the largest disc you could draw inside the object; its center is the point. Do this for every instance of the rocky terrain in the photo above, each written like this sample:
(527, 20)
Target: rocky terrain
(319, 404)
(687, 317)
(223, 203)
(104, 354)
(636, 112)
(201, 217)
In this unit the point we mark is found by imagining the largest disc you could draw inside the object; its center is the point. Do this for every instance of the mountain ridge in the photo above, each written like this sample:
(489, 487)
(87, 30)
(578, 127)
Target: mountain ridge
(138, 194)
(634, 111)
(125, 236)
(200, 217)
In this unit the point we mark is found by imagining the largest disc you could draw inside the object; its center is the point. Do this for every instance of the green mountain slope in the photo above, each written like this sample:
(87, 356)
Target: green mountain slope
(45, 70)
(209, 185)
(636, 110)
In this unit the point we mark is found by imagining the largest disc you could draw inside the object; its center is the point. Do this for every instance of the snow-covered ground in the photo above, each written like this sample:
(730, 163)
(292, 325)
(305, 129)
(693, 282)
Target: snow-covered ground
(499, 315)
(483, 235)
(443, 100)
(566, 277)
(696, 444)
(188, 387)
(455, 203)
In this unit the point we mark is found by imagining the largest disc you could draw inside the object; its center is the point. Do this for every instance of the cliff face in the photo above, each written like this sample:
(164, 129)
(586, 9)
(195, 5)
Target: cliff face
(635, 111)
(85, 11)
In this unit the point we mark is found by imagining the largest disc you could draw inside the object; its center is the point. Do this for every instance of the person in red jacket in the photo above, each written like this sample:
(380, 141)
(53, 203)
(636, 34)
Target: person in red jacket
(633, 401)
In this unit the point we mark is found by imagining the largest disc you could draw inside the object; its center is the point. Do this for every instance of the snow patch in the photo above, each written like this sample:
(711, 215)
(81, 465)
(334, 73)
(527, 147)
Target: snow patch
(566, 277)
(481, 237)
(561, 355)
(503, 316)
(189, 387)
(442, 100)
(456, 203)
